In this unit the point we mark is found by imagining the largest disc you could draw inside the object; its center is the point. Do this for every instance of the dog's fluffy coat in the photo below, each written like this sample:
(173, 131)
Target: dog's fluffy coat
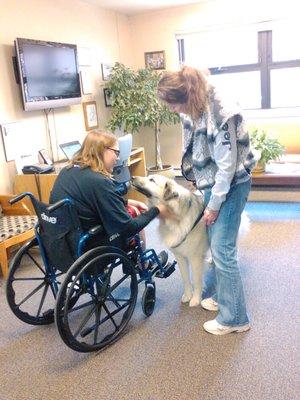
(187, 242)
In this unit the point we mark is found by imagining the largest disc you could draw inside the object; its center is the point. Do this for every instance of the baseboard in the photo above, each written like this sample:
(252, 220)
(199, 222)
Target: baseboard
(275, 194)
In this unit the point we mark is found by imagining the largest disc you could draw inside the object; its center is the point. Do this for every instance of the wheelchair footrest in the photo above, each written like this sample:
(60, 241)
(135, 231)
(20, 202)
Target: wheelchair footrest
(167, 270)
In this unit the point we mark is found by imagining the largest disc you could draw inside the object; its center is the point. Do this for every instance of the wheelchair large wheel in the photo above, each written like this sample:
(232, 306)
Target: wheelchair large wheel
(105, 281)
(29, 291)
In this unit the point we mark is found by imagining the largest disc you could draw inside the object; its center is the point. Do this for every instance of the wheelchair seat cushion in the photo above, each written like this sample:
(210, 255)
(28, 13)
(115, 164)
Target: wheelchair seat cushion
(12, 225)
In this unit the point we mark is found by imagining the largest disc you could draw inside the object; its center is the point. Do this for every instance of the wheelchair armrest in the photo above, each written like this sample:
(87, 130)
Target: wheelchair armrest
(20, 197)
(95, 230)
(58, 204)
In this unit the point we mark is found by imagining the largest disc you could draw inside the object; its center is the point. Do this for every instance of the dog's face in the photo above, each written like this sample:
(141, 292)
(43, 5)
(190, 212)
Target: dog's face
(160, 189)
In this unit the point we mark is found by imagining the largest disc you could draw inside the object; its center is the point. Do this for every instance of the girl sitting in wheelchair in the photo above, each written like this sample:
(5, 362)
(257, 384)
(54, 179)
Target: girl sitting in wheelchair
(89, 182)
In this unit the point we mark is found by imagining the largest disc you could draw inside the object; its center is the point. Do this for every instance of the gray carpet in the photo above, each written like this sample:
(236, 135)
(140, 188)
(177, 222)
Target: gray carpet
(169, 356)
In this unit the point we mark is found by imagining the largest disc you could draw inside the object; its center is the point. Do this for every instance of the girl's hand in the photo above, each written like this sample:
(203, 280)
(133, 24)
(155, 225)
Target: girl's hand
(210, 216)
(135, 203)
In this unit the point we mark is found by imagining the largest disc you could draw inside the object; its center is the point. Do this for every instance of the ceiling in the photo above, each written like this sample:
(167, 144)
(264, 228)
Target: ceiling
(132, 7)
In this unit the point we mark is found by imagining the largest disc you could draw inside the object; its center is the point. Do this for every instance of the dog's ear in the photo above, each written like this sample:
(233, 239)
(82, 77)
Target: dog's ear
(169, 193)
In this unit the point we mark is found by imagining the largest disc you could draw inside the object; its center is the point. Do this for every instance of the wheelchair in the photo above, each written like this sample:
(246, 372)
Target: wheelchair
(89, 293)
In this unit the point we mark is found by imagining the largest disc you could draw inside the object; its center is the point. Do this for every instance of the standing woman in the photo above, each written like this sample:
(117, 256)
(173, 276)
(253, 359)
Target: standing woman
(217, 157)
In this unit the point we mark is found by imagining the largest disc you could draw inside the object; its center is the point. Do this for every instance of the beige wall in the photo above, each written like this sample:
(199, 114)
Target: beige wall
(156, 31)
(104, 32)
(112, 37)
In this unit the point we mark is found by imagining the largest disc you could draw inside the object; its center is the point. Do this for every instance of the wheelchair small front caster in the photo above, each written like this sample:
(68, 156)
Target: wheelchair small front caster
(148, 299)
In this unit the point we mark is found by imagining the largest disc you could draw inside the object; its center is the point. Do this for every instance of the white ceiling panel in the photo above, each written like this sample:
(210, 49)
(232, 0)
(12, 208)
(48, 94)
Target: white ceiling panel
(132, 7)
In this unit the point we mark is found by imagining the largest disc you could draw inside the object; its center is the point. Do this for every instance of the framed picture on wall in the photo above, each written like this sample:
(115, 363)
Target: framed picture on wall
(155, 59)
(90, 115)
(106, 71)
(107, 97)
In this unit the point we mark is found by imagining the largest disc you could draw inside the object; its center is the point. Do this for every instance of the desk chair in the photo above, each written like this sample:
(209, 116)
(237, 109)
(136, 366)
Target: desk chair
(121, 171)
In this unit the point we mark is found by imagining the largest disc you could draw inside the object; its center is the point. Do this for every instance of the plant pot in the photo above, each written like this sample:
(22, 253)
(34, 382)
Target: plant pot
(167, 170)
(259, 168)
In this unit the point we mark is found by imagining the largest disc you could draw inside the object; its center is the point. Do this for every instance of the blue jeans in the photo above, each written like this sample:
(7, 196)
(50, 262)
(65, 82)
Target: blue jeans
(223, 280)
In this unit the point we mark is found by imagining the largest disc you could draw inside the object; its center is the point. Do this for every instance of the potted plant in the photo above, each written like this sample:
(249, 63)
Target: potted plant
(135, 105)
(268, 147)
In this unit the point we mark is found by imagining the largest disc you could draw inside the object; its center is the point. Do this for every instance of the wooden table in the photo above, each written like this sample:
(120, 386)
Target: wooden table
(286, 174)
(41, 185)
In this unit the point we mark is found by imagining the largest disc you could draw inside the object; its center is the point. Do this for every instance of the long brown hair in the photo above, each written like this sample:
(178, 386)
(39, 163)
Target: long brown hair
(92, 150)
(188, 87)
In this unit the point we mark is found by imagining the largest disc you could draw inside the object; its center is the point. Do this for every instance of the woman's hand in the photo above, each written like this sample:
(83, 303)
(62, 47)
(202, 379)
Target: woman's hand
(135, 203)
(210, 216)
(192, 186)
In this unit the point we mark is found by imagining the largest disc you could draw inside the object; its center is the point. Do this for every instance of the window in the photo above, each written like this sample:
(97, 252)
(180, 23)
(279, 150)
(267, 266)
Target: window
(261, 69)
(246, 87)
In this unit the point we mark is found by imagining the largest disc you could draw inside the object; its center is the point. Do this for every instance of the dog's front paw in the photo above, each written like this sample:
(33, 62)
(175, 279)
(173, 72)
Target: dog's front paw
(195, 301)
(186, 298)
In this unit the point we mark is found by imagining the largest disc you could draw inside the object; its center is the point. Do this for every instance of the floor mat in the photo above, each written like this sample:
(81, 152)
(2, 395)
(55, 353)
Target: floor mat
(273, 211)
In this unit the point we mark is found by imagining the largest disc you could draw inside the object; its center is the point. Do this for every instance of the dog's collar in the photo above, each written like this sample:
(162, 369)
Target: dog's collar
(195, 223)
(142, 190)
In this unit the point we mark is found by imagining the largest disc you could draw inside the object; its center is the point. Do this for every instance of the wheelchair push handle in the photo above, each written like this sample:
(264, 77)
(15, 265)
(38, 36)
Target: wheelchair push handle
(20, 197)
(59, 204)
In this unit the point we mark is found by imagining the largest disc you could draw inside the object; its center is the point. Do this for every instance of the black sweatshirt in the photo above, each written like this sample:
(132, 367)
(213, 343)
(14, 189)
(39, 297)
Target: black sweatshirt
(97, 202)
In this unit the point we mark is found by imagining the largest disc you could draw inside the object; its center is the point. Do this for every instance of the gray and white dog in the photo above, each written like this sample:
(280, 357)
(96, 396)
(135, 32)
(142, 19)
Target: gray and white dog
(185, 234)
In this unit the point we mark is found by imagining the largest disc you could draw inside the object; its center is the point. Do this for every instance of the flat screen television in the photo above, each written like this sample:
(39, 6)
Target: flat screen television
(48, 74)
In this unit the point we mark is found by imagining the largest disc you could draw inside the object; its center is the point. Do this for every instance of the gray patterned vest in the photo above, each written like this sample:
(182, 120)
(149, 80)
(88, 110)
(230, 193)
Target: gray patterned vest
(198, 162)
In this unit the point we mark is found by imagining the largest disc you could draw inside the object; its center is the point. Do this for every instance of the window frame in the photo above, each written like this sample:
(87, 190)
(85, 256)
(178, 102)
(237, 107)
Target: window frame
(264, 65)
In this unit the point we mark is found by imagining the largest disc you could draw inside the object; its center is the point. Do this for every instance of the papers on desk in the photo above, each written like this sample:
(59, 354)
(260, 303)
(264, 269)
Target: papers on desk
(27, 159)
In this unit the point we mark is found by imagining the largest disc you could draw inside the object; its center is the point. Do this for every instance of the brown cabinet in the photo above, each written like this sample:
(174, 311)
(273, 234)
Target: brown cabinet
(41, 185)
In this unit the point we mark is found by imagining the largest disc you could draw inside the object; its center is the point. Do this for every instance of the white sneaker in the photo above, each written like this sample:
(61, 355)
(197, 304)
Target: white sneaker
(209, 304)
(215, 328)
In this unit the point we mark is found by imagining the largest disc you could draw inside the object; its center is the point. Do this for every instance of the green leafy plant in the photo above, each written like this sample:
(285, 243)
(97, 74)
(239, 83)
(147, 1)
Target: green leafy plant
(269, 148)
(135, 105)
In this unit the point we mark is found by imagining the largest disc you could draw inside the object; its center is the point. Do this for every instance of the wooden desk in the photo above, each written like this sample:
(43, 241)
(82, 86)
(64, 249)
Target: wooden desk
(286, 174)
(30, 183)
